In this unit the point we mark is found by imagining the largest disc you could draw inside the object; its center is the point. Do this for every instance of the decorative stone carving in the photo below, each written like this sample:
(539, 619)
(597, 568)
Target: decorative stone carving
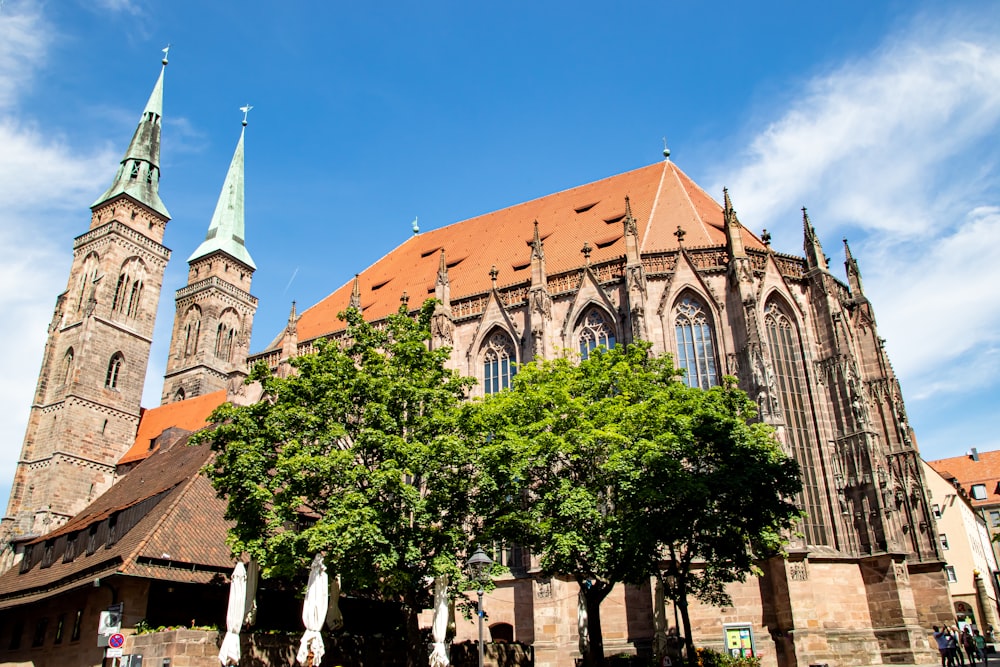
(798, 571)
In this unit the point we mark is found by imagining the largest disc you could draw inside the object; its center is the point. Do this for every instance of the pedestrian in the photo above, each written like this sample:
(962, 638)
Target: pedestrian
(980, 645)
(941, 637)
(969, 644)
(955, 648)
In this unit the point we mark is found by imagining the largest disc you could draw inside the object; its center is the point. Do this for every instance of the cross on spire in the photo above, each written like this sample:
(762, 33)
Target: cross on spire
(246, 110)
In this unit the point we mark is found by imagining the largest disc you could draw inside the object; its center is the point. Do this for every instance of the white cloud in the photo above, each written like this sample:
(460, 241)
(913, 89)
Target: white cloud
(896, 151)
(22, 48)
(124, 6)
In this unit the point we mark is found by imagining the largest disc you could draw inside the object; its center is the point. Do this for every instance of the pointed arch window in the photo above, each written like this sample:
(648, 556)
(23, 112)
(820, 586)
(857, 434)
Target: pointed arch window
(192, 331)
(695, 349)
(115, 367)
(596, 329)
(498, 363)
(225, 335)
(87, 277)
(134, 297)
(67, 369)
(790, 381)
(128, 289)
(179, 394)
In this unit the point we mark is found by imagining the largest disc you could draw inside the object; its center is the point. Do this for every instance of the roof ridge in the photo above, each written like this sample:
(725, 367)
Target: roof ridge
(652, 209)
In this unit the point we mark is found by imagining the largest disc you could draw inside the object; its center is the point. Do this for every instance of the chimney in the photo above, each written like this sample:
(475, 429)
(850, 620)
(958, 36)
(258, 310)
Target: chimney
(973, 454)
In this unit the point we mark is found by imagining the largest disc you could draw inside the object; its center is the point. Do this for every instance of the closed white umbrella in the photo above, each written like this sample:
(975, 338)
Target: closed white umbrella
(313, 614)
(334, 618)
(229, 654)
(250, 610)
(439, 627)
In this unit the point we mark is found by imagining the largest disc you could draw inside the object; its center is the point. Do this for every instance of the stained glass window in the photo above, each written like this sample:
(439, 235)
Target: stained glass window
(498, 363)
(695, 350)
(595, 331)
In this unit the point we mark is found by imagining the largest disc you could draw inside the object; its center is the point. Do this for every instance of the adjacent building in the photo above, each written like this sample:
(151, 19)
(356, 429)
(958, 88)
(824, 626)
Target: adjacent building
(974, 480)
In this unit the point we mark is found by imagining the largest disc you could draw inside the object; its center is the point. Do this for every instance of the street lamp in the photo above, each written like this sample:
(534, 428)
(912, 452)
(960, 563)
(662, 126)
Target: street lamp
(479, 570)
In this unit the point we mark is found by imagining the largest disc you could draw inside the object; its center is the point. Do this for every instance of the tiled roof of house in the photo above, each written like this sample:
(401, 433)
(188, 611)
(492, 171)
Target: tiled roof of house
(662, 198)
(189, 415)
(967, 472)
(169, 520)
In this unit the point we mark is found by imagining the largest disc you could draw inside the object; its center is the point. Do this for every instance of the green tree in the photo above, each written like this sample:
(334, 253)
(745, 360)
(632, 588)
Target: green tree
(356, 455)
(551, 453)
(716, 491)
(607, 468)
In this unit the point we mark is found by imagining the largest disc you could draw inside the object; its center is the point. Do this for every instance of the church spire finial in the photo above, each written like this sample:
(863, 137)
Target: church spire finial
(356, 294)
(246, 111)
(537, 247)
(139, 171)
(813, 249)
(226, 231)
(853, 272)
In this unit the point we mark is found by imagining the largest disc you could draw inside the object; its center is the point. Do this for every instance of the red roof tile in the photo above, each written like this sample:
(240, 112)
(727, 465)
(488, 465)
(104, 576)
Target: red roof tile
(662, 198)
(968, 472)
(190, 415)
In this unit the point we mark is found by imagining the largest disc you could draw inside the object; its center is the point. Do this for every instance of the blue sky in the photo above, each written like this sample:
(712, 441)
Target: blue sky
(882, 118)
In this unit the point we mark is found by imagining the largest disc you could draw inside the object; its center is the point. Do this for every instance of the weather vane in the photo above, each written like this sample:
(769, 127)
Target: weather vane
(166, 52)
(245, 110)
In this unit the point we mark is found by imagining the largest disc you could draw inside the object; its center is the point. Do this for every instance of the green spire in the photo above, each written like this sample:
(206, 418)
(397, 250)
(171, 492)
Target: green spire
(225, 233)
(139, 172)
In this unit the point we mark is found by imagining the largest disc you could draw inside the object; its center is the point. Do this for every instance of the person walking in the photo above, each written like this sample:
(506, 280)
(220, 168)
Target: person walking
(969, 645)
(980, 642)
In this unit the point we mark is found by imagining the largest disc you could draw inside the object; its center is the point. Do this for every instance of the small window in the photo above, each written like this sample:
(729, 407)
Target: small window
(995, 518)
(979, 491)
(944, 541)
(60, 624)
(41, 627)
(949, 571)
(26, 558)
(48, 554)
(77, 622)
(92, 540)
(936, 510)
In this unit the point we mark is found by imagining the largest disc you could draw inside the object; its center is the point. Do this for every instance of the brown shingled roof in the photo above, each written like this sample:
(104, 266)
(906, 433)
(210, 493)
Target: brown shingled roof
(179, 530)
(662, 198)
(967, 472)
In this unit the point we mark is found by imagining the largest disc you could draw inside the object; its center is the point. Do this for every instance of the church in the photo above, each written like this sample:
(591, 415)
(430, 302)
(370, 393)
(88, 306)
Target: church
(645, 254)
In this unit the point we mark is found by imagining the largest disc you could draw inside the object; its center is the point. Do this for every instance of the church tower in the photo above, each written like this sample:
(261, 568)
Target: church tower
(86, 405)
(214, 317)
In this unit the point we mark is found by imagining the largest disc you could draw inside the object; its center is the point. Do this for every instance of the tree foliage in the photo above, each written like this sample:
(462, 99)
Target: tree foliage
(610, 468)
(356, 455)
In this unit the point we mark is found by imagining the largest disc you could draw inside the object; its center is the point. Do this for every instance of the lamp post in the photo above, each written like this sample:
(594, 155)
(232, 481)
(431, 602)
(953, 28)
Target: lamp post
(479, 569)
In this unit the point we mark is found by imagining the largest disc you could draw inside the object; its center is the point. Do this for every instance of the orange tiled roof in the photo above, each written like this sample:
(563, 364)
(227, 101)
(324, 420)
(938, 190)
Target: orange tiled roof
(968, 472)
(189, 414)
(662, 198)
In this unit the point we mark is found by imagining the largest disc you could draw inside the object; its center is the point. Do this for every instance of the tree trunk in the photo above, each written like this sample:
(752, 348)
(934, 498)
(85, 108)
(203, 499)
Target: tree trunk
(682, 602)
(416, 653)
(594, 594)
